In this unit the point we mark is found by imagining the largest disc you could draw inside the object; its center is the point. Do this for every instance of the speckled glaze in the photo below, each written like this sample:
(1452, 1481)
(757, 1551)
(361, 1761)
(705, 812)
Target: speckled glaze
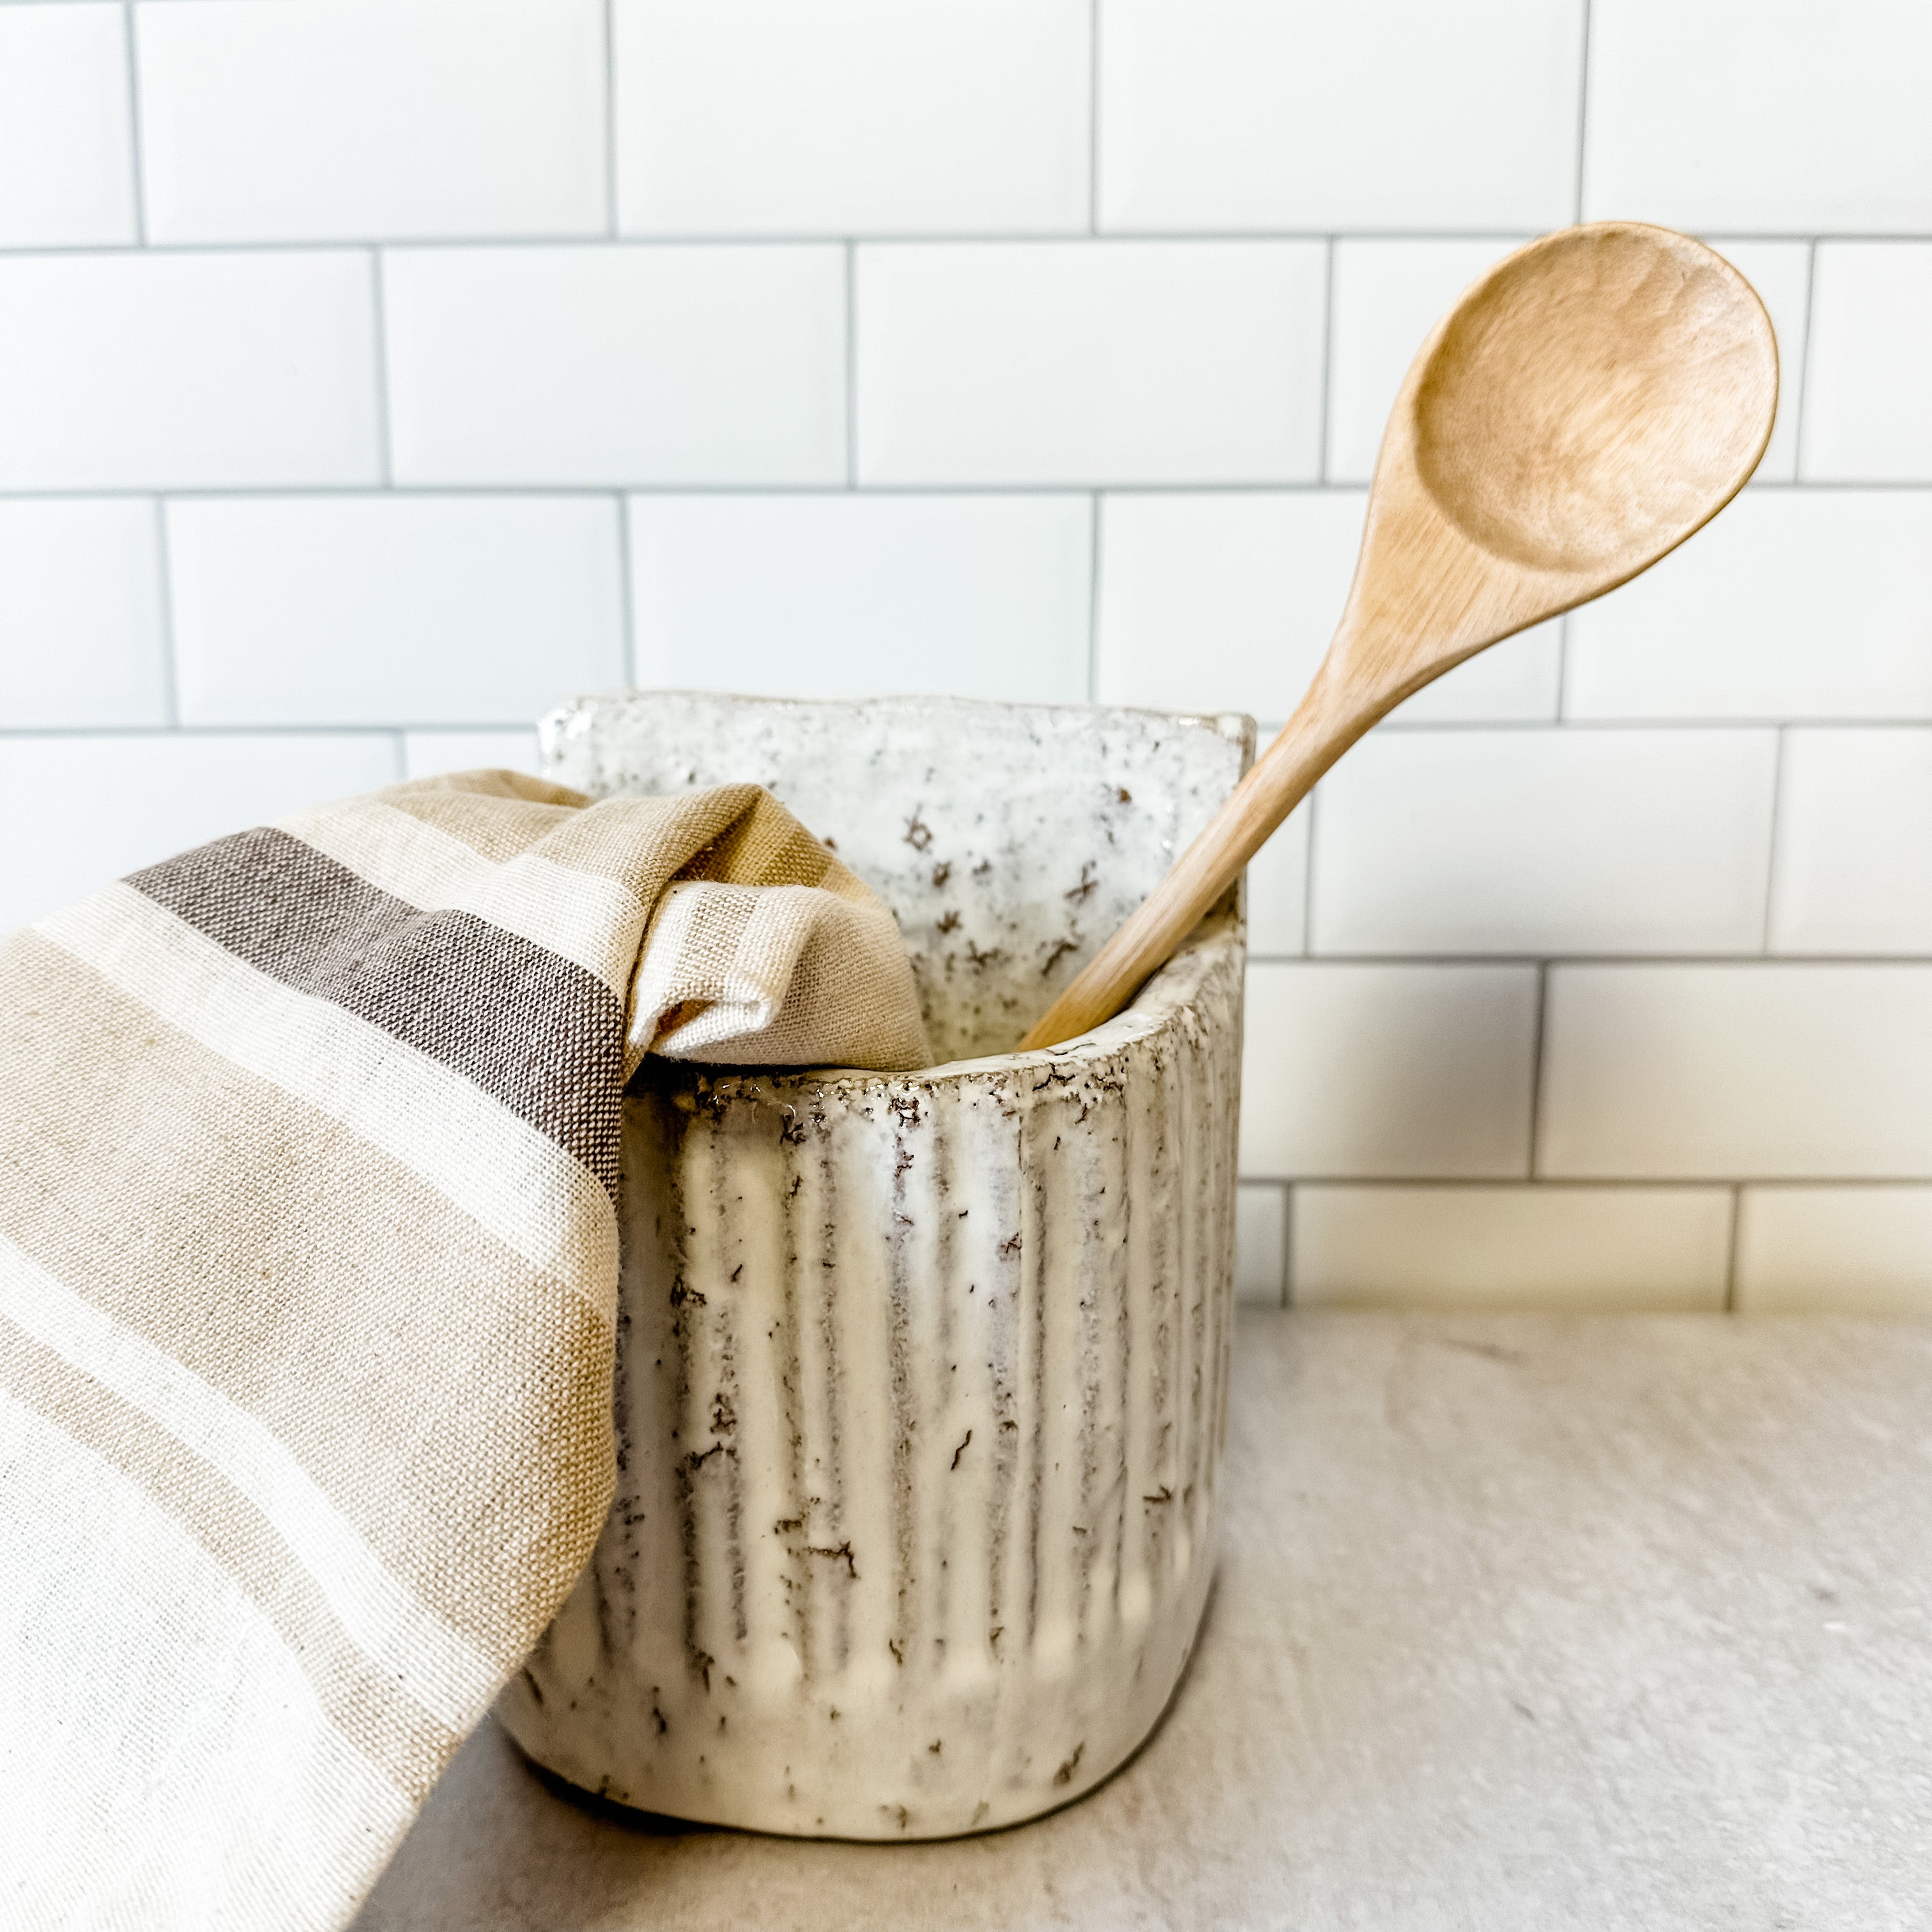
(921, 1378)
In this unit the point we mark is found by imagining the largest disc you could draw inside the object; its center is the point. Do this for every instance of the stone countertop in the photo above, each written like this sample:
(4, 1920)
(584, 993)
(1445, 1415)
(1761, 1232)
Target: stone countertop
(1530, 1621)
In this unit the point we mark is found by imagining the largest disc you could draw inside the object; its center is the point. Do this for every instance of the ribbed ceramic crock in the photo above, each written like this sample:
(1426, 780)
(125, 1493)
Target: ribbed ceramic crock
(920, 1405)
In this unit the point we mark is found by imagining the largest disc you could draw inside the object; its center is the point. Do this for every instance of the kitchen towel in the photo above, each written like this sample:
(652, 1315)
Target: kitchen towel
(308, 1271)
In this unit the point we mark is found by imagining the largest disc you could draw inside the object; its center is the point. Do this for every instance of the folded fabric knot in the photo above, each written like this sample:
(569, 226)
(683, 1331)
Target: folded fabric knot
(308, 1265)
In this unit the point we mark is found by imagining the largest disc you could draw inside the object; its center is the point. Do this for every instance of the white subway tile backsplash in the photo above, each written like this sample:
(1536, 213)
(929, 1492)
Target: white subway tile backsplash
(188, 371)
(1209, 598)
(366, 610)
(1388, 296)
(633, 364)
(1781, 271)
(1854, 868)
(845, 596)
(1221, 599)
(1768, 1071)
(374, 373)
(81, 634)
(1600, 1250)
(852, 117)
(1299, 114)
(329, 120)
(1113, 362)
(427, 755)
(1261, 1242)
(1545, 841)
(66, 161)
(1735, 115)
(1278, 887)
(1793, 604)
(1835, 1251)
(104, 806)
(1518, 681)
(1868, 395)
(1396, 1071)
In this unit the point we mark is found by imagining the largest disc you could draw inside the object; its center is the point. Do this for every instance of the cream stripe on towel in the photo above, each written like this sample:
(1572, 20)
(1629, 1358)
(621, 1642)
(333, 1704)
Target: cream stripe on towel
(308, 1265)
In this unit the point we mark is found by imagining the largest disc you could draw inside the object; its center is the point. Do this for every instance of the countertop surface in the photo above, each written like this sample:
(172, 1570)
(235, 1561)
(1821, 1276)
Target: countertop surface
(1526, 1621)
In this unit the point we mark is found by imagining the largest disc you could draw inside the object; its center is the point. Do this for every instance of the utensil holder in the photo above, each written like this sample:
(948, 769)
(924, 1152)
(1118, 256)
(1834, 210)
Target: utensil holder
(921, 1378)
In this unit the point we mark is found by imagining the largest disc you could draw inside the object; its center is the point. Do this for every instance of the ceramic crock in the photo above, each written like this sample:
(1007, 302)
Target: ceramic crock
(921, 1378)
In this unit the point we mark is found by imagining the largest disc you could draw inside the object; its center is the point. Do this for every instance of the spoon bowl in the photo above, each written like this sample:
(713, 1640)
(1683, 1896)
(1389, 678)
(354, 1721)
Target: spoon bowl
(1592, 401)
(1575, 366)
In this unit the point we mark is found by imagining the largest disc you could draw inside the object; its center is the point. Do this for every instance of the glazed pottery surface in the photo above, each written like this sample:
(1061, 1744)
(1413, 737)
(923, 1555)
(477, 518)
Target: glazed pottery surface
(921, 1380)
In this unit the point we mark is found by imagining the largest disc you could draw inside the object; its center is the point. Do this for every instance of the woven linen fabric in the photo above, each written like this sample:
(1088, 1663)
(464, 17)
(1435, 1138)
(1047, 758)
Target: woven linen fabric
(308, 1271)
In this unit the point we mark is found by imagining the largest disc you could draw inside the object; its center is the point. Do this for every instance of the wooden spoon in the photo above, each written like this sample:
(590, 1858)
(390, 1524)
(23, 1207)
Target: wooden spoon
(1588, 403)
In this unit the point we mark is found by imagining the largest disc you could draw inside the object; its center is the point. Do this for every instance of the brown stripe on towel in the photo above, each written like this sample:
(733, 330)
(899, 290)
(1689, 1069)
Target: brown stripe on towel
(403, 1741)
(344, 1334)
(533, 1030)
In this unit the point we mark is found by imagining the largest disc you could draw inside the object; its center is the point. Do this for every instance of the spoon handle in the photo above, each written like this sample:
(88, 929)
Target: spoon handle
(1321, 729)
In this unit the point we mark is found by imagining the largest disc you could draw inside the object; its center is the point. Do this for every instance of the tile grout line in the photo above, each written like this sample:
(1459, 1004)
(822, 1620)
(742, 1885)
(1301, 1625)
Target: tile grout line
(790, 487)
(1804, 366)
(1517, 957)
(627, 604)
(1093, 117)
(1731, 1253)
(1328, 360)
(1536, 1060)
(131, 44)
(1308, 805)
(610, 118)
(1562, 671)
(88, 734)
(164, 585)
(537, 242)
(1770, 854)
(1513, 962)
(851, 365)
(1288, 1244)
(1818, 485)
(1583, 112)
(1093, 598)
(379, 313)
(1595, 1184)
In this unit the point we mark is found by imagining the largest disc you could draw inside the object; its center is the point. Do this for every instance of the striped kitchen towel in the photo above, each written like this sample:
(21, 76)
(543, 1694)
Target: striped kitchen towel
(308, 1271)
